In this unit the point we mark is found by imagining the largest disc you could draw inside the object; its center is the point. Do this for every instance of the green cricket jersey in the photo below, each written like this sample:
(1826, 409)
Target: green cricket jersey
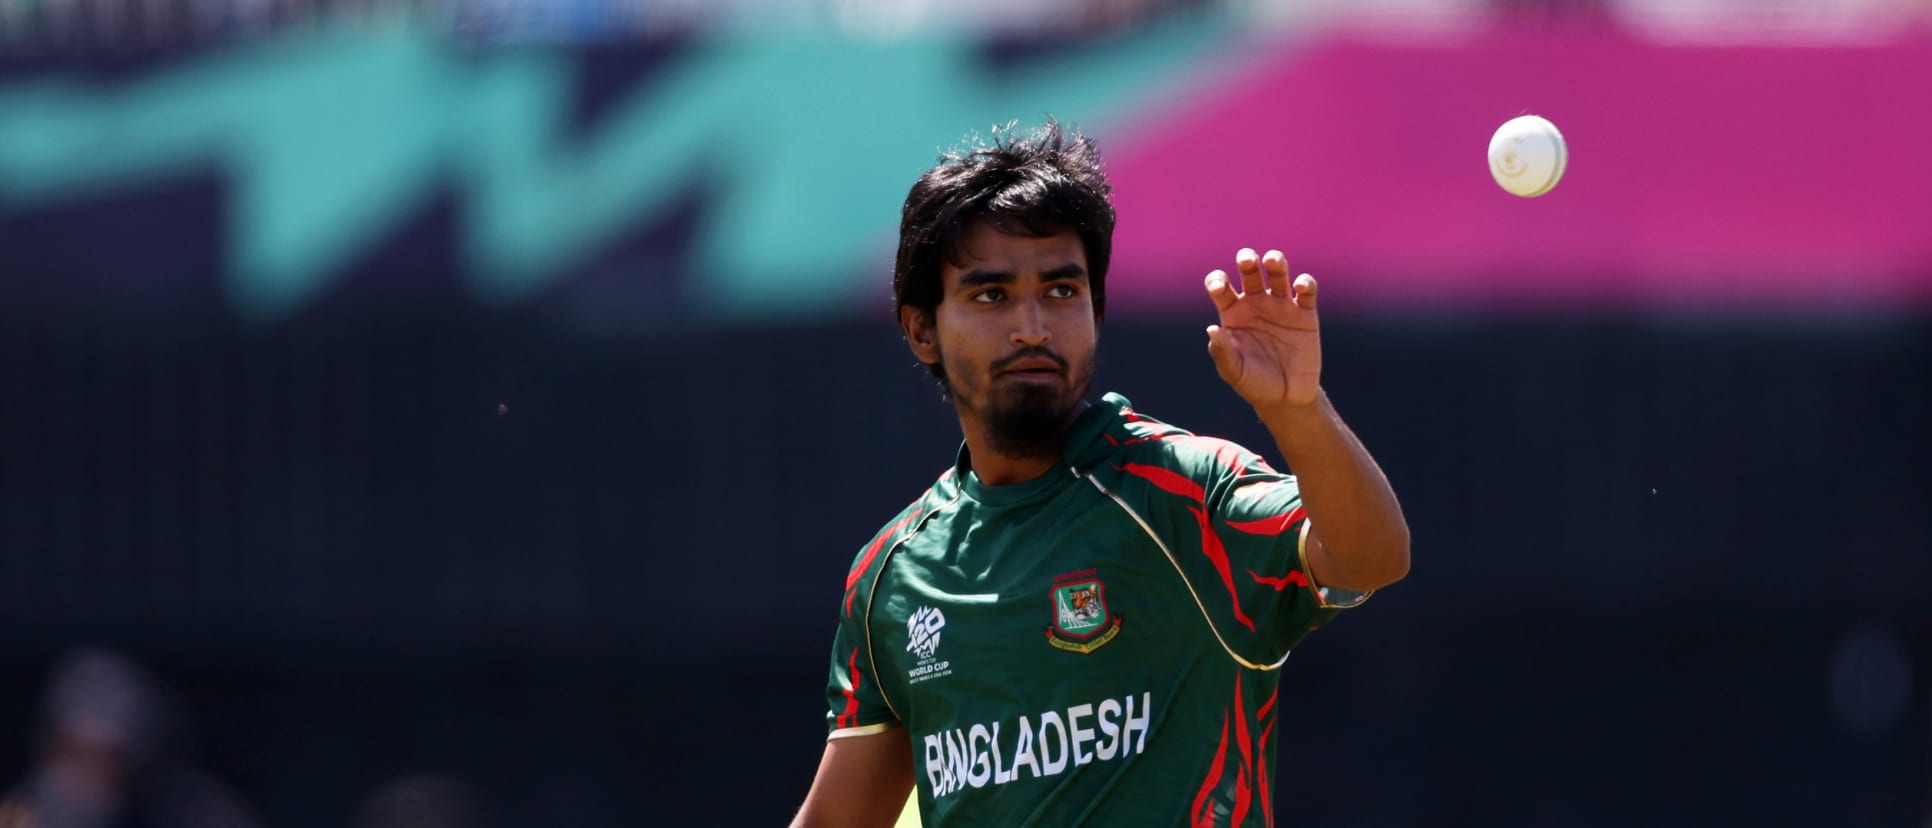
(1096, 646)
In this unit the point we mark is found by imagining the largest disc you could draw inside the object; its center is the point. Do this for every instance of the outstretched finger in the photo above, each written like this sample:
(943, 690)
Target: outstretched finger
(1305, 292)
(1220, 291)
(1227, 360)
(1249, 264)
(1274, 266)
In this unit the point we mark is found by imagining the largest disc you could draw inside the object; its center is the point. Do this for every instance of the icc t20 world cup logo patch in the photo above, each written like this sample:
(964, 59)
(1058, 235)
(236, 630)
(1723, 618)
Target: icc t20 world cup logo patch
(922, 640)
(1082, 621)
(923, 630)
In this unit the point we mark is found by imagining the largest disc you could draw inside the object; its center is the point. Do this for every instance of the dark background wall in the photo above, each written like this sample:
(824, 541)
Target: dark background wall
(1666, 570)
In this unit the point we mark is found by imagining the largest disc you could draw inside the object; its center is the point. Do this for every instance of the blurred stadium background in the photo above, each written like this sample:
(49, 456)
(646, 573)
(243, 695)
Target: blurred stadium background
(468, 410)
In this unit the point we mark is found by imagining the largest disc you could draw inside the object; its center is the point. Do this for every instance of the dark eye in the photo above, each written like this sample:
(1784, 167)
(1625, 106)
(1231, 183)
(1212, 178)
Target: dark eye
(989, 295)
(1063, 290)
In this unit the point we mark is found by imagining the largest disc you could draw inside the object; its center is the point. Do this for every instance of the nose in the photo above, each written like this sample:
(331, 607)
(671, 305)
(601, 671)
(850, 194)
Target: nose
(1030, 326)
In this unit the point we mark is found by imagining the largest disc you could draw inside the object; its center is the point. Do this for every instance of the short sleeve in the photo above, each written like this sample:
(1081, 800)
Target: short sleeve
(1237, 531)
(1260, 522)
(856, 706)
(856, 703)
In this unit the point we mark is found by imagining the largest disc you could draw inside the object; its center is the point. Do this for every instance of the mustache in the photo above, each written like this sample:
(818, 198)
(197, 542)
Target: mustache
(1027, 353)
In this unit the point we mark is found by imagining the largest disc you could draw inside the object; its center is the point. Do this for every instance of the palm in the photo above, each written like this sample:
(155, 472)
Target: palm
(1268, 343)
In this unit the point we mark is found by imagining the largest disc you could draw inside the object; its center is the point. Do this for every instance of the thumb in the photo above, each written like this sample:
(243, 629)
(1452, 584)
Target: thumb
(1227, 360)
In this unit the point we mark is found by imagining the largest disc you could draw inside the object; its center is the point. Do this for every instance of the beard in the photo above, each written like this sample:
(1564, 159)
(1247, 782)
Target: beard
(1028, 419)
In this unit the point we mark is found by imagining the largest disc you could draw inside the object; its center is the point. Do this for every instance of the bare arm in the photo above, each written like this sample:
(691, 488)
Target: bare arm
(1268, 348)
(861, 783)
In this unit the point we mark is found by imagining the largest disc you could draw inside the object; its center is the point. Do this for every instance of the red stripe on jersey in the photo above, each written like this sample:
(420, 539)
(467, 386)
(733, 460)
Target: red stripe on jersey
(1202, 817)
(1241, 792)
(850, 717)
(1175, 483)
(1218, 555)
(1270, 525)
(1261, 754)
(1294, 577)
(865, 562)
(1168, 480)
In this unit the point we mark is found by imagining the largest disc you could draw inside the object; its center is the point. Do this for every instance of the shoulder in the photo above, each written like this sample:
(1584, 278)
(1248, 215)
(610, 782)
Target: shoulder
(1145, 447)
(870, 558)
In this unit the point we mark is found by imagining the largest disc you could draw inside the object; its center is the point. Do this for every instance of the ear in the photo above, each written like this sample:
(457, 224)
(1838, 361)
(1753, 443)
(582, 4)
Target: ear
(917, 325)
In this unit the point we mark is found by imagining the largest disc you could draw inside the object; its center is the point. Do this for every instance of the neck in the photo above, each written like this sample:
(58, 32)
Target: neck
(1002, 470)
(994, 468)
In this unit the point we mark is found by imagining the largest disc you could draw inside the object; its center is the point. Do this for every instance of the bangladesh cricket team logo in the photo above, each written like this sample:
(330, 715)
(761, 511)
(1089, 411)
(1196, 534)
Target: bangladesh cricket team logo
(1082, 622)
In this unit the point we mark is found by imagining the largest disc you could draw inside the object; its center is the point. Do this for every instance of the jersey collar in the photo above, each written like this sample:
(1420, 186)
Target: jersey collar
(1086, 440)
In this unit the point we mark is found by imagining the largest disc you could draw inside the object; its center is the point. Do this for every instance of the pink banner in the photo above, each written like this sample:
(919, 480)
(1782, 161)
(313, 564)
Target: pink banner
(1706, 176)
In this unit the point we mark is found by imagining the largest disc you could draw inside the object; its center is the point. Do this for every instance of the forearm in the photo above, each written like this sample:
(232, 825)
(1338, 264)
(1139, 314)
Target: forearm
(1357, 522)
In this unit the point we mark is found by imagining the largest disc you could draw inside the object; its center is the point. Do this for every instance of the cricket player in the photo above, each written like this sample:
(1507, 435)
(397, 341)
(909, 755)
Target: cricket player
(1082, 621)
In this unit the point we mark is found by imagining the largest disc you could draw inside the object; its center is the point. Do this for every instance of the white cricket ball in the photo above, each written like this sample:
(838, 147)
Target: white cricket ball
(1527, 156)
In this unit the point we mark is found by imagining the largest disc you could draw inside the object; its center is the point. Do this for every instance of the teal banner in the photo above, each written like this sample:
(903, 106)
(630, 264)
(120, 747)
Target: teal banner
(799, 150)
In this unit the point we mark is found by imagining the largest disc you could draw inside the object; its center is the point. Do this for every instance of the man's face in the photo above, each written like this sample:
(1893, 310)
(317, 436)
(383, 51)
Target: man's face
(1016, 334)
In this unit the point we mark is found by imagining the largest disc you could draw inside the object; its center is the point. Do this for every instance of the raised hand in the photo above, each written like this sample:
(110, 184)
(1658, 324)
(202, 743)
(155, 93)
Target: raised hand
(1268, 344)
